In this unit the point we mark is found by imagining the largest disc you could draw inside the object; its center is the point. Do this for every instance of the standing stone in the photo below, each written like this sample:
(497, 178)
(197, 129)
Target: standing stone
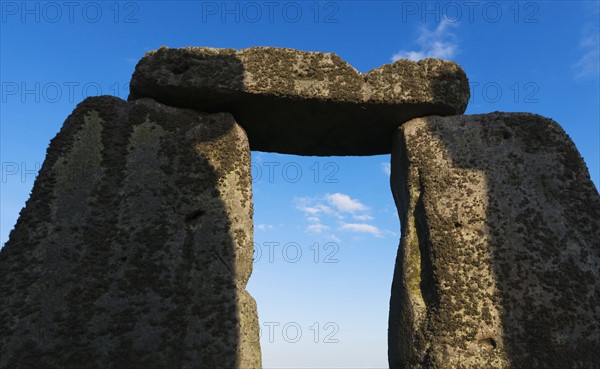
(499, 262)
(299, 102)
(135, 246)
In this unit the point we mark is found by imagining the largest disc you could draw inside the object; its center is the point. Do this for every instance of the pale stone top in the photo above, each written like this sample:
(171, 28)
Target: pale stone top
(299, 102)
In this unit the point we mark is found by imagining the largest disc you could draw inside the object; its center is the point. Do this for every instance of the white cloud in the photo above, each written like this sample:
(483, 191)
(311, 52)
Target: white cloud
(439, 43)
(363, 217)
(311, 207)
(361, 228)
(345, 203)
(321, 218)
(310, 210)
(588, 64)
(386, 168)
(264, 227)
(316, 228)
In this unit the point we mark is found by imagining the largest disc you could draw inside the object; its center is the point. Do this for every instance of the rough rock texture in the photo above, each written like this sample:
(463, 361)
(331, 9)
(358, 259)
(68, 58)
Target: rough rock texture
(499, 263)
(135, 246)
(299, 102)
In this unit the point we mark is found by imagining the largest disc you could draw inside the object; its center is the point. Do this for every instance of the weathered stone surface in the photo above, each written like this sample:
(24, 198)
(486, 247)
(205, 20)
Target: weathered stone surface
(299, 102)
(499, 263)
(135, 247)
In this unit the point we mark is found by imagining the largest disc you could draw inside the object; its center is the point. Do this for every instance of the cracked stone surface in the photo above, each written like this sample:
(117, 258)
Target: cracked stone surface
(299, 102)
(499, 261)
(135, 246)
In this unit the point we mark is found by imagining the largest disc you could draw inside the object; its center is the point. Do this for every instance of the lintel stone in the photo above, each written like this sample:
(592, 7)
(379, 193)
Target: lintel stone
(298, 102)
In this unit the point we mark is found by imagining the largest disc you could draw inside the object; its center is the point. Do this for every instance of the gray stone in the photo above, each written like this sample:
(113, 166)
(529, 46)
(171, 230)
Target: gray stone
(499, 262)
(298, 102)
(135, 246)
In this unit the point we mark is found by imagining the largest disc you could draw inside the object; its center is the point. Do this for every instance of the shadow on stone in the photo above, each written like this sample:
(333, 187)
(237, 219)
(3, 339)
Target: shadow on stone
(126, 255)
(499, 261)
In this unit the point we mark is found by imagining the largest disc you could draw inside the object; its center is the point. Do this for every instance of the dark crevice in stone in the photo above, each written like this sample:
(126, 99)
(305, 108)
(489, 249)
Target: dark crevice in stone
(487, 343)
(428, 284)
(194, 216)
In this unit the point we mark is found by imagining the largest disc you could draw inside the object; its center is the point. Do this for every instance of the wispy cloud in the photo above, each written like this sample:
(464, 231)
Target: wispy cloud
(363, 217)
(264, 227)
(386, 168)
(316, 228)
(334, 238)
(440, 42)
(588, 64)
(360, 228)
(311, 207)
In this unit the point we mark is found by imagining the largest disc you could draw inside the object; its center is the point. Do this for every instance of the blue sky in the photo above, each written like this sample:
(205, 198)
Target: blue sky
(326, 228)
